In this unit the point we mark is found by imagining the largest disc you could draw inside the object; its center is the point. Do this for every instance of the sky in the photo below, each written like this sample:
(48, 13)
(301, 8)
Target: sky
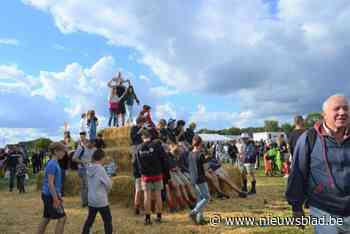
(217, 63)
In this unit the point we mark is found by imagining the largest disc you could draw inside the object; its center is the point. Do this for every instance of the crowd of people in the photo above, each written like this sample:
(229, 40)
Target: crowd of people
(172, 166)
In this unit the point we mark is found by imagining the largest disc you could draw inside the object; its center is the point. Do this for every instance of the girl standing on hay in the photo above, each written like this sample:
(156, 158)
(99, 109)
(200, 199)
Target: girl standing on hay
(99, 184)
(117, 83)
(130, 97)
(115, 107)
(51, 190)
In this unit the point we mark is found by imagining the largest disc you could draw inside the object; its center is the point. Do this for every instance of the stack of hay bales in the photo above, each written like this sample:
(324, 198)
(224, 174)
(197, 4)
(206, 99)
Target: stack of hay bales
(71, 183)
(122, 192)
(118, 147)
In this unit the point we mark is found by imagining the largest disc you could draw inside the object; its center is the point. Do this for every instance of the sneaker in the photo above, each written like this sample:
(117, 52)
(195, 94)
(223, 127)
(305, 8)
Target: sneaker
(193, 216)
(147, 222)
(242, 195)
(137, 211)
(252, 192)
(158, 220)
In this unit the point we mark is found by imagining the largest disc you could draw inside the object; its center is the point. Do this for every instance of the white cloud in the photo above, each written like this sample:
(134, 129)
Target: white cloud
(9, 41)
(165, 111)
(34, 106)
(221, 119)
(59, 47)
(145, 78)
(15, 135)
(161, 91)
(279, 65)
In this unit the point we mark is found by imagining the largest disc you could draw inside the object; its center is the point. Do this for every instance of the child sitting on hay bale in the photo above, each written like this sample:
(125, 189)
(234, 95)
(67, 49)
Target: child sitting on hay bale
(217, 172)
(98, 186)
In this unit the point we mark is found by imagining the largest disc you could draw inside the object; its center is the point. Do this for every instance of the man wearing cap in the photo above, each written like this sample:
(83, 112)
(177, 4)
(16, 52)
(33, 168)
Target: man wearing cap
(247, 160)
(83, 156)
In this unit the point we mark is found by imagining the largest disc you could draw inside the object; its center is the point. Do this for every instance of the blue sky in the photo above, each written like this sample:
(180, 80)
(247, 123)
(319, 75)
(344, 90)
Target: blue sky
(220, 64)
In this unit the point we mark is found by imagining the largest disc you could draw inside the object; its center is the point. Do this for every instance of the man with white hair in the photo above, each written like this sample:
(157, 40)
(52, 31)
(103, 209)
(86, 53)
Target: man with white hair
(320, 173)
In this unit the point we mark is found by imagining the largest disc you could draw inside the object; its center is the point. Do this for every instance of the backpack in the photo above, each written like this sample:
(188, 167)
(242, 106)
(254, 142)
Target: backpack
(310, 141)
(311, 138)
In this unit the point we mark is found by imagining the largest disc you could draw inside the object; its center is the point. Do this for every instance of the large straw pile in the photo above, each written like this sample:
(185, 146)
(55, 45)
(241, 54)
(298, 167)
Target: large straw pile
(71, 183)
(118, 147)
(122, 192)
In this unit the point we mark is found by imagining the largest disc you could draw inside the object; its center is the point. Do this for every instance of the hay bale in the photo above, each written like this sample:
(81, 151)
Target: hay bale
(113, 142)
(234, 174)
(115, 133)
(39, 180)
(122, 192)
(71, 183)
(122, 157)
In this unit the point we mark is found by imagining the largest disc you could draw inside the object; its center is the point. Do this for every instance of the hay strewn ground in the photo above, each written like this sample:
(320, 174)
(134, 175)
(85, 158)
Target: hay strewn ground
(21, 213)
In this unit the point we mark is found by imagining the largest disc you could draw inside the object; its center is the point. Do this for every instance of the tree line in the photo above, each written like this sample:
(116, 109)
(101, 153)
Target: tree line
(269, 126)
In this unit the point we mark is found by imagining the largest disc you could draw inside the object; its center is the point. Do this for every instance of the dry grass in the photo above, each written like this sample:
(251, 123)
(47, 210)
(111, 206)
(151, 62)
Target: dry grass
(122, 191)
(22, 213)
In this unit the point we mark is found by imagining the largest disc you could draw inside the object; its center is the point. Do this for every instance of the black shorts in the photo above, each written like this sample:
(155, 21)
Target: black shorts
(49, 211)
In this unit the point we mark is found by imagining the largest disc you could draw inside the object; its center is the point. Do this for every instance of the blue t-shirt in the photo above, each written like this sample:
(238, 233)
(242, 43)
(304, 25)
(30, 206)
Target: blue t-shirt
(52, 168)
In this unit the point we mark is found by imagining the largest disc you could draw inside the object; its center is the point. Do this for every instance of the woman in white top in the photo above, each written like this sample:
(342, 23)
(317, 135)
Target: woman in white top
(83, 123)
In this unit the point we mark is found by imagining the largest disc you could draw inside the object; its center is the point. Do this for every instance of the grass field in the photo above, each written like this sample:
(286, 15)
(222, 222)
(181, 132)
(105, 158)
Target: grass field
(22, 213)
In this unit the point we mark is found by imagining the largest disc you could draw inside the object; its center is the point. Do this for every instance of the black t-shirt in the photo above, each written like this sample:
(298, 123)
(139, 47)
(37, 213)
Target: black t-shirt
(135, 137)
(120, 90)
(293, 138)
(150, 157)
(163, 135)
(100, 144)
(64, 162)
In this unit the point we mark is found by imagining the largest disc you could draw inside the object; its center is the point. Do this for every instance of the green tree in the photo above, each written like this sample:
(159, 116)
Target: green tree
(42, 143)
(287, 128)
(312, 118)
(271, 126)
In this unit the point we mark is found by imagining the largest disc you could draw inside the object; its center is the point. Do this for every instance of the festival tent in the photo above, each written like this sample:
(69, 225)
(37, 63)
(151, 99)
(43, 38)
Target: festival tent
(214, 138)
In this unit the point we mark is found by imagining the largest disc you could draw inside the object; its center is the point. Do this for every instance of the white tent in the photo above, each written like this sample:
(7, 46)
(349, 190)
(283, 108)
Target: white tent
(214, 137)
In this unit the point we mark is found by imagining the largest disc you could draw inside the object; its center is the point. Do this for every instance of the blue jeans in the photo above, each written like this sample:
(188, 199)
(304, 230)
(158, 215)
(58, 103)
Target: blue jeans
(112, 117)
(203, 197)
(12, 177)
(129, 113)
(330, 229)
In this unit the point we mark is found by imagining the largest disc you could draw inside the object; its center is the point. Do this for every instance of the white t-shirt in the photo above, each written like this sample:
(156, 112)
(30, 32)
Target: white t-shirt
(83, 125)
